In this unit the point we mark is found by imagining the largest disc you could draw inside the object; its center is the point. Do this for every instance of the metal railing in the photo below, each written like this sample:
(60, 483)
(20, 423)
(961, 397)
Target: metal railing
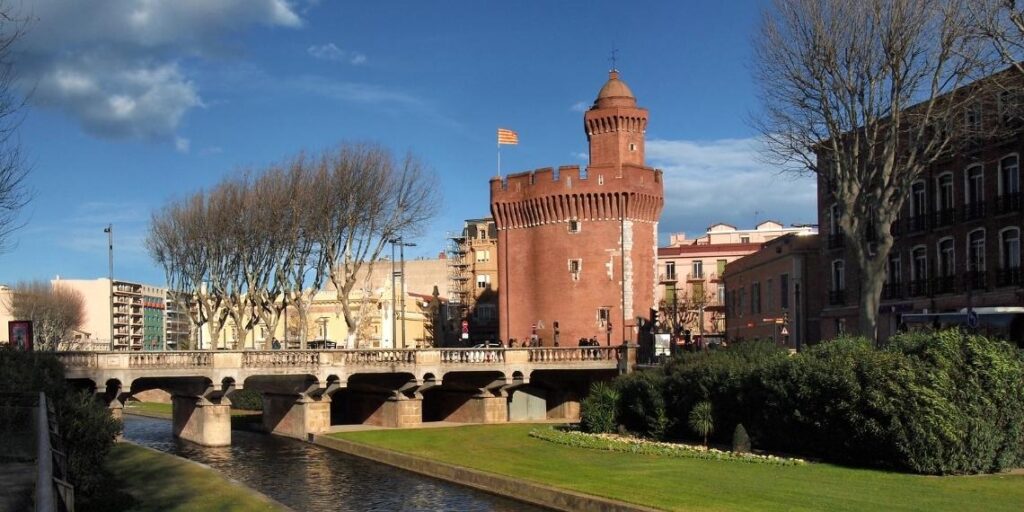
(1007, 203)
(1008, 276)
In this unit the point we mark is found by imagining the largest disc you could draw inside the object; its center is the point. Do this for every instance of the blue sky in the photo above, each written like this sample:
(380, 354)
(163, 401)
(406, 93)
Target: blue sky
(134, 103)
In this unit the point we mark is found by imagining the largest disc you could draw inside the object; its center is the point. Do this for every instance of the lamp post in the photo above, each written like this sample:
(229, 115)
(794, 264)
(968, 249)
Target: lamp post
(394, 312)
(401, 254)
(109, 230)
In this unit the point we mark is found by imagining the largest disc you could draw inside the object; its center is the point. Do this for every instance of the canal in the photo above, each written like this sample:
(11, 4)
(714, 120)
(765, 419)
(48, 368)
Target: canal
(307, 477)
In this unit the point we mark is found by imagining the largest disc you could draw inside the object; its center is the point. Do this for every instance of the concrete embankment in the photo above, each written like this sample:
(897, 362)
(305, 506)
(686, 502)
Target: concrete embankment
(529, 492)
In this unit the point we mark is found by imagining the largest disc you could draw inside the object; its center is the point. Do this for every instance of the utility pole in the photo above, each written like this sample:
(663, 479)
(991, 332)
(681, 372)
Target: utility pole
(109, 230)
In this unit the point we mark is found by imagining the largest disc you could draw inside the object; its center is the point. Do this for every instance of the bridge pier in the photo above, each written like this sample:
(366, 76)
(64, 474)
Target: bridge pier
(201, 421)
(483, 406)
(296, 415)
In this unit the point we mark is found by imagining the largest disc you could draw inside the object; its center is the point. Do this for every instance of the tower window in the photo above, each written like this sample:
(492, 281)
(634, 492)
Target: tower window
(574, 226)
(574, 268)
(632, 147)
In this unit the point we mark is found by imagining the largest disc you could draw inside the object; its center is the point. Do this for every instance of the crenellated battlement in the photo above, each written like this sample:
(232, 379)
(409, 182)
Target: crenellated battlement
(548, 180)
(545, 196)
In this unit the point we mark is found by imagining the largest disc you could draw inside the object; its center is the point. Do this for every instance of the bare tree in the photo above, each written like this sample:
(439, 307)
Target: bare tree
(384, 200)
(55, 311)
(860, 94)
(1001, 23)
(14, 192)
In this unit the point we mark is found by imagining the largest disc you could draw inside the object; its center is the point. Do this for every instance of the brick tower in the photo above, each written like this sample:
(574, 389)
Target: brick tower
(578, 248)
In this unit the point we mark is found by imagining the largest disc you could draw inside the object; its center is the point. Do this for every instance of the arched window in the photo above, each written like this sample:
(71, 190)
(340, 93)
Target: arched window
(919, 264)
(918, 199)
(947, 258)
(1009, 175)
(944, 192)
(838, 275)
(974, 191)
(976, 251)
(1009, 248)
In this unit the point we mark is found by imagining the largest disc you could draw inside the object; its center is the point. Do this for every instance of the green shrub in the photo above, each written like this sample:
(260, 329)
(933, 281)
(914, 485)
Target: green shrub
(740, 440)
(641, 406)
(598, 409)
(246, 399)
(86, 426)
(934, 403)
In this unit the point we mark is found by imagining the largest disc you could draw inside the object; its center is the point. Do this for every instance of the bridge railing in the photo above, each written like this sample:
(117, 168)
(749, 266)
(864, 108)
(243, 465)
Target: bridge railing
(562, 354)
(472, 355)
(280, 358)
(377, 356)
(170, 359)
(346, 357)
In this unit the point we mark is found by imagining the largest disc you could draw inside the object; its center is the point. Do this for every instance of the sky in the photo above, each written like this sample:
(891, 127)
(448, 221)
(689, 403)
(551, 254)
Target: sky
(133, 103)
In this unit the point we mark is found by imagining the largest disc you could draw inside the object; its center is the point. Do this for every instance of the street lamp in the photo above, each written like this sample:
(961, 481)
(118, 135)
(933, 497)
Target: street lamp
(109, 230)
(402, 244)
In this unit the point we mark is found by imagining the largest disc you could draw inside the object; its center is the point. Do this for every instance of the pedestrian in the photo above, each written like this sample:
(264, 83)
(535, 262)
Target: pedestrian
(276, 345)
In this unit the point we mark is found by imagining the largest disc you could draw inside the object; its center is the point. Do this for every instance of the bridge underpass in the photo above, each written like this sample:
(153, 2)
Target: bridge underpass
(306, 392)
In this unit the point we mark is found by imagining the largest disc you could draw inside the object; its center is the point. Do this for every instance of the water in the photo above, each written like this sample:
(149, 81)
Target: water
(307, 477)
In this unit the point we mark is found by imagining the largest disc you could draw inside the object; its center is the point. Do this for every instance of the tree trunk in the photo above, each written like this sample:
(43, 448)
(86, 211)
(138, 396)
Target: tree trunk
(870, 295)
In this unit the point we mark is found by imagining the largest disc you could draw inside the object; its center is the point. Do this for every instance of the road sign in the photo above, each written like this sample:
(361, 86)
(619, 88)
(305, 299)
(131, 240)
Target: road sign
(784, 331)
(972, 319)
(465, 326)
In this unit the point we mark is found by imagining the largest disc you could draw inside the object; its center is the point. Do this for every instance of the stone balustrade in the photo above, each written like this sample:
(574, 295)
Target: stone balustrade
(305, 359)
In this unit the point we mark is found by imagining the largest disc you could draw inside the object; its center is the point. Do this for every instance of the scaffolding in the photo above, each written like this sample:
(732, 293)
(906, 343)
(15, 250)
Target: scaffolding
(460, 295)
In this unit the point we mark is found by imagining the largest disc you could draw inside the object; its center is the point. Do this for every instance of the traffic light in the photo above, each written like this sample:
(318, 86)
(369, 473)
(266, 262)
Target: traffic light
(686, 336)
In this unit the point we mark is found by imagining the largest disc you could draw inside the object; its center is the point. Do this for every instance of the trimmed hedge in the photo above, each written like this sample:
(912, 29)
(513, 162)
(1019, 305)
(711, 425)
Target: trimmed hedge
(935, 403)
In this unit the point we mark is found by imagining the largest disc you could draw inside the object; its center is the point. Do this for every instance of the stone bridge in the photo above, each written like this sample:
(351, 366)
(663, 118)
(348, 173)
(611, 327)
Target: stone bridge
(306, 391)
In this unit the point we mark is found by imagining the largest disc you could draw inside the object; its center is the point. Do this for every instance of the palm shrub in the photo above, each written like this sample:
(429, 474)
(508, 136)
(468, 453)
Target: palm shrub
(702, 420)
(598, 410)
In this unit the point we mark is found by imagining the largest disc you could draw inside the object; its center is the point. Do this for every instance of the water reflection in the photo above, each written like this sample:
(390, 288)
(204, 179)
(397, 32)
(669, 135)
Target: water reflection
(308, 477)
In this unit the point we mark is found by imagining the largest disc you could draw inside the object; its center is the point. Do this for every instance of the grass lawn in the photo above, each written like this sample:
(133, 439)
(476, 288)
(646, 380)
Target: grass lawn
(690, 484)
(150, 480)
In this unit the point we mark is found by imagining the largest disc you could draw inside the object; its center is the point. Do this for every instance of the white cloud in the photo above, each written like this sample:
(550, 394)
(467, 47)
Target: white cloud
(581, 156)
(181, 144)
(331, 52)
(580, 106)
(726, 181)
(114, 65)
(352, 91)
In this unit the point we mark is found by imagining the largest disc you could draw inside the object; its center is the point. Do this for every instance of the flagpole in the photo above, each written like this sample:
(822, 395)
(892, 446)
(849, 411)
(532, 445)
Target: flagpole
(499, 159)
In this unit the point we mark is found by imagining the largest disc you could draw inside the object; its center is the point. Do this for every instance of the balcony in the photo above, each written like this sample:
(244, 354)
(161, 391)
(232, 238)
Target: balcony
(917, 288)
(944, 284)
(836, 241)
(976, 280)
(1008, 203)
(945, 217)
(695, 277)
(892, 291)
(973, 211)
(1008, 276)
(667, 277)
(836, 297)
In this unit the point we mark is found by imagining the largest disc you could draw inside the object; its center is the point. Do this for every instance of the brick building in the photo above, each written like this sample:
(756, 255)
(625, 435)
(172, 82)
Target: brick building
(958, 234)
(690, 272)
(577, 247)
(770, 294)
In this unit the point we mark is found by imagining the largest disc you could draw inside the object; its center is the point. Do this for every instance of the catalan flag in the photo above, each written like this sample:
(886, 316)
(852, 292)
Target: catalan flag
(507, 136)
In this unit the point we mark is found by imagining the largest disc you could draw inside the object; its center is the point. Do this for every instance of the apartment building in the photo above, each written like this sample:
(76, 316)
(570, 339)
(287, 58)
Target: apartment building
(473, 280)
(690, 273)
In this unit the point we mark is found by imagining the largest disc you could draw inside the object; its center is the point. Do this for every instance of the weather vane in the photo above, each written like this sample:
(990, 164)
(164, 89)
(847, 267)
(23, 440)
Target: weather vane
(614, 57)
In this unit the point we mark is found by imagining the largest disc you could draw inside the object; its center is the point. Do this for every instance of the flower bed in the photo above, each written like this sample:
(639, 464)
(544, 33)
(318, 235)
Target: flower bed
(629, 444)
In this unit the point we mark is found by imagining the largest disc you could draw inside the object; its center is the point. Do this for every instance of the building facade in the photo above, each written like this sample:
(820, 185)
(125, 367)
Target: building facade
(957, 239)
(767, 294)
(473, 281)
(690, 287)
(576, 248)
